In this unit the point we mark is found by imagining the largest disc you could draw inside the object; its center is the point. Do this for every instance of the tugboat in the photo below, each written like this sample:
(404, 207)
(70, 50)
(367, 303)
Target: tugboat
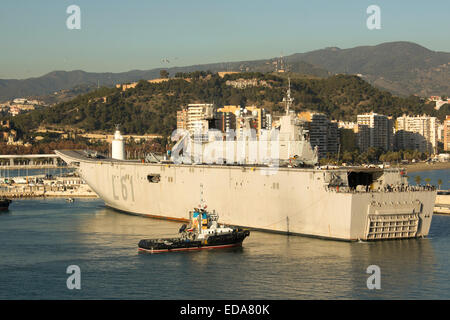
(203, 233)
(4, 204)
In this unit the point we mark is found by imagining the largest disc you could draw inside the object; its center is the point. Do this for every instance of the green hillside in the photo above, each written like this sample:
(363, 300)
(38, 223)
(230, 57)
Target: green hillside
(151, 108)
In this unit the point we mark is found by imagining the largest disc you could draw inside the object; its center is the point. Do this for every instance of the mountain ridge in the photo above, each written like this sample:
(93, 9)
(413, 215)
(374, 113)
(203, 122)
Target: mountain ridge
(401, 67)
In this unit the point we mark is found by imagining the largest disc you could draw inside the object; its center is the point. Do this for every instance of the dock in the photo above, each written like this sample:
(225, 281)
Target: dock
(41, 187)
(29, 160)
(442, 204)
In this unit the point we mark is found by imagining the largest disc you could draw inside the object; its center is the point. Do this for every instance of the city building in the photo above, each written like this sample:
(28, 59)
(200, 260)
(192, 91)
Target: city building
(182, 119)
(439, 101)
(245, 83)
(260, 118)
(347, 125)
(232, 117)
(447, 133)
(416, 133)
(126, 86)
(227, 118)
(374, 130)
(95, 137)
(323, 133)
(200, 118)
(20, 105)
(224, 73)
(20, 100)
(440, 132)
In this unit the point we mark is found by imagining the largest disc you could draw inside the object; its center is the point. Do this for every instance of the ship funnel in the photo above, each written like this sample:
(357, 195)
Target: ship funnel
(118, 146)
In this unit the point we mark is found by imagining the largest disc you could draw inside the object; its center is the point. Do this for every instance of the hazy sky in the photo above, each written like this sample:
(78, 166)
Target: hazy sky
(118, 36)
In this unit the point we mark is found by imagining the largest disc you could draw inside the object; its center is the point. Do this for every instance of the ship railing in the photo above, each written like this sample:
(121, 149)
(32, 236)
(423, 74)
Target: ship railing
(383, 189)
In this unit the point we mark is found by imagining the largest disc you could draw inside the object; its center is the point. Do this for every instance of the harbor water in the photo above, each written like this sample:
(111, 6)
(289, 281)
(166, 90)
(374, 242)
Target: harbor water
(41, 238)
(433, 175)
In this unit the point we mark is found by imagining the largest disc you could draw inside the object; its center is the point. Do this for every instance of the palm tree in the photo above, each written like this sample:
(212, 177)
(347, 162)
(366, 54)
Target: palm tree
(439, 183)
(427, 180)
(417, 179)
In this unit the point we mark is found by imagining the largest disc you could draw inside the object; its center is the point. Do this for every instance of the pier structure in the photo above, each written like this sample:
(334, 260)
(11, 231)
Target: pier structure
(29, 160)
(442, 204)
(69, 185)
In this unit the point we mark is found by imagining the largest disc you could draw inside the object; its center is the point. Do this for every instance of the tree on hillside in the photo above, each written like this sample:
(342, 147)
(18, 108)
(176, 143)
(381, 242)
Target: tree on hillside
(163, 74)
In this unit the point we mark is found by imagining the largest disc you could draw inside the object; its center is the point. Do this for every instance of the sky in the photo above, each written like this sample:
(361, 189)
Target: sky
(118, 36)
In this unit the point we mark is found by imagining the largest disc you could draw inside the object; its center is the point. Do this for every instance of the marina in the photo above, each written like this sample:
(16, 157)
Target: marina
(41, 187)
(42, 182)
(30, 161)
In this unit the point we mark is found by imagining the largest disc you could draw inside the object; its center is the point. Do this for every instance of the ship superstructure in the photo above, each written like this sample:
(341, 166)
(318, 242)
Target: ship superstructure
(285, 143)
(285, 193)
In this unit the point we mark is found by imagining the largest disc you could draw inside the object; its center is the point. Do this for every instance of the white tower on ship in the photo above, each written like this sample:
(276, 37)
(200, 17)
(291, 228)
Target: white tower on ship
(118, 146)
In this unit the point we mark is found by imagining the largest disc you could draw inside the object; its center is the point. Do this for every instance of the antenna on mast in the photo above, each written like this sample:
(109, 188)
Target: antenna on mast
(288, 99)
(202, 200)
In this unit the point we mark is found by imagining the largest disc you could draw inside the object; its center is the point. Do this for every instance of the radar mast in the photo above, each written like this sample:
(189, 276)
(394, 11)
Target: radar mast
(288, 99)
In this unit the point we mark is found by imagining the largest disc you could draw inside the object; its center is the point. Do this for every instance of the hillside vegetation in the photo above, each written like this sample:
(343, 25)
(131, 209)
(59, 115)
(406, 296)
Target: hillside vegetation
(151, 107)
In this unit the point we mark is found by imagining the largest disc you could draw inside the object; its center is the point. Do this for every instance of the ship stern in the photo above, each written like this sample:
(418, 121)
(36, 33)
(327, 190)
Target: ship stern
(391, 215)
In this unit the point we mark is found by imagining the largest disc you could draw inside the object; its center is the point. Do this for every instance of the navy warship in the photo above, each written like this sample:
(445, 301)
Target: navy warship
(287, 193)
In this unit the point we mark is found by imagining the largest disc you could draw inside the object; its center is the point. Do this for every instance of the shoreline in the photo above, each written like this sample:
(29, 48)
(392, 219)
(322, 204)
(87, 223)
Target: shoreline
(32, 167)
(415, 167)
(28, 196)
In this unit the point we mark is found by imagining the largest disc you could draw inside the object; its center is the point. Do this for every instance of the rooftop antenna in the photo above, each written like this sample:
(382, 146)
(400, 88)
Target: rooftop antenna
(281, 62)
(288, 99)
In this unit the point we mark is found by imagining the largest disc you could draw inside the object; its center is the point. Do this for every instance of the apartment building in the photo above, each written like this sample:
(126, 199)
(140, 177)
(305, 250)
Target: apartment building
(416, 133)
(232, 117)
(374, 130)
(447, 133)
(323, 133)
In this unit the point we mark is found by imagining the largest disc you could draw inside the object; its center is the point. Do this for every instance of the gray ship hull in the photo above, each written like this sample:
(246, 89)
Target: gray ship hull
(287, 200)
